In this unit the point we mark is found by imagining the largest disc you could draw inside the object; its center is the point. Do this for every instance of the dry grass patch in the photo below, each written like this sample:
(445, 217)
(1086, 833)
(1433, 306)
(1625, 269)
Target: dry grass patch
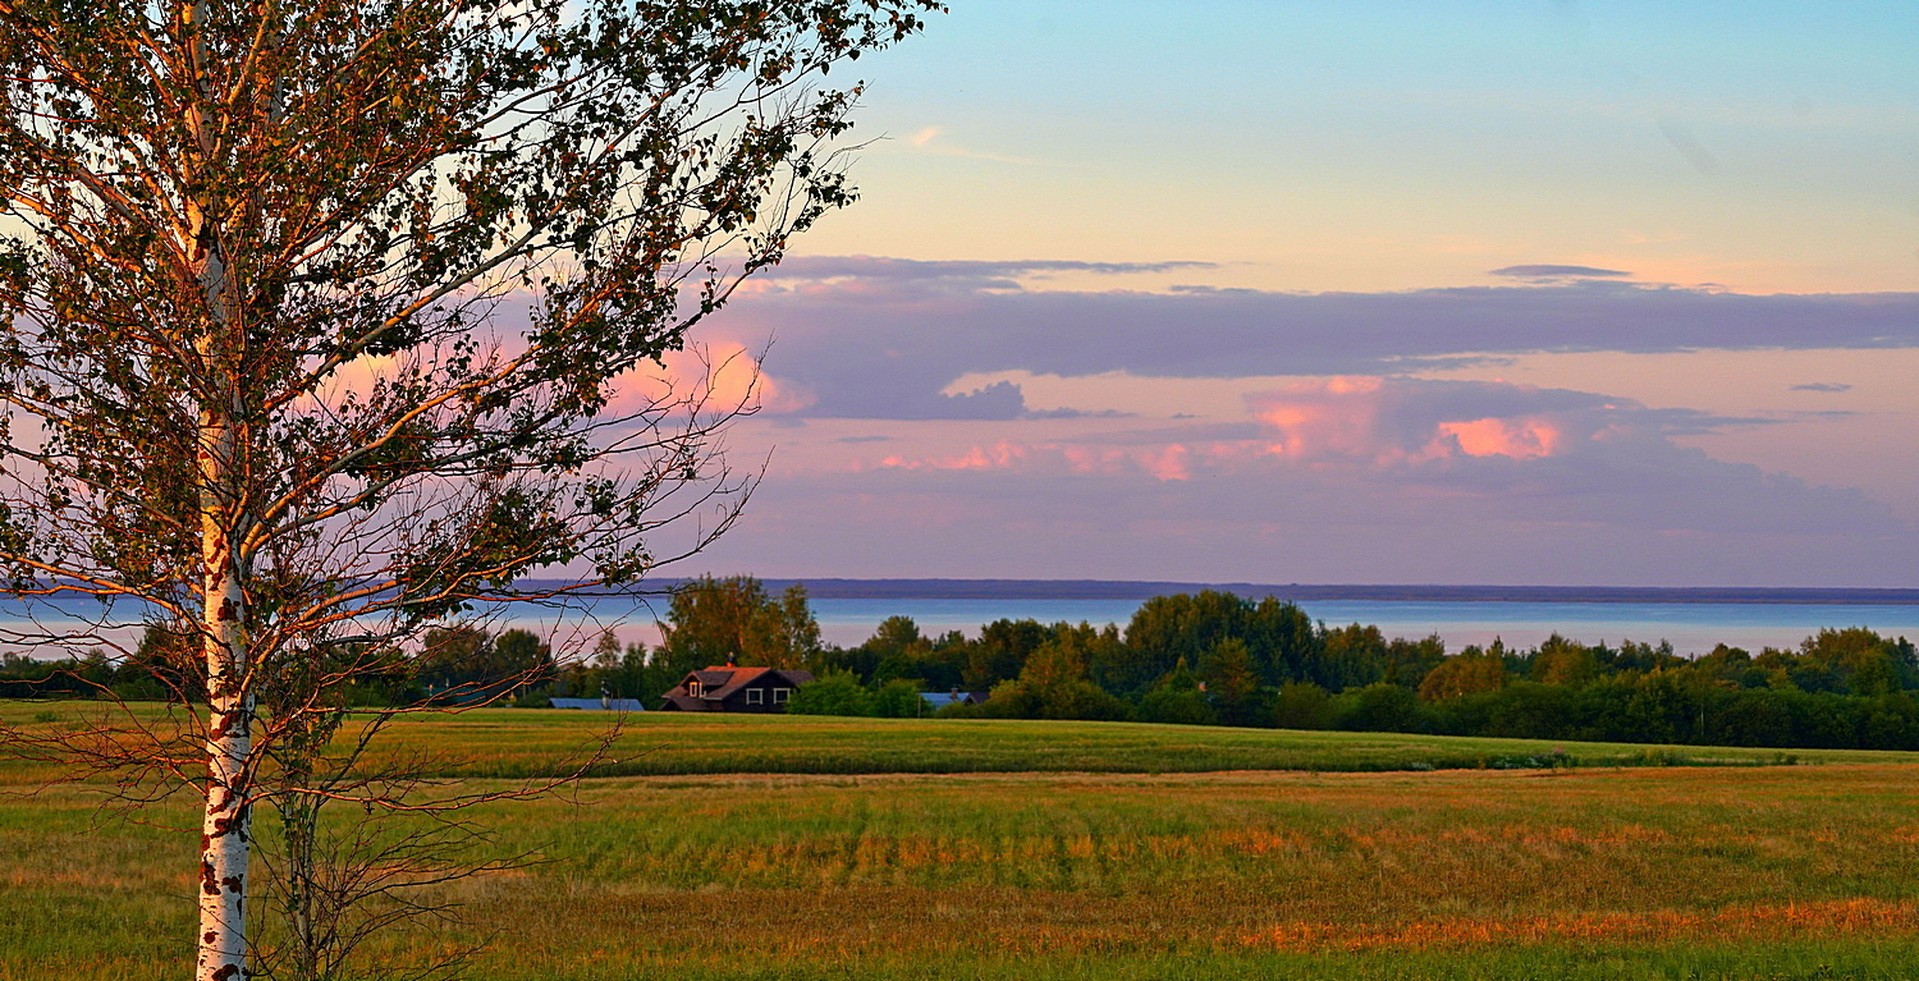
(1740, 924)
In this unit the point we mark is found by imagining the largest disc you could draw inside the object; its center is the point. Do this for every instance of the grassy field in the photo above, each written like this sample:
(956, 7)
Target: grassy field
(509, 743)
(1036, 850)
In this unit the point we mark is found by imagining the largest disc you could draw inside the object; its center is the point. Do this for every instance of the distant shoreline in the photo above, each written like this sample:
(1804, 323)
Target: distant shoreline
(1096, 589)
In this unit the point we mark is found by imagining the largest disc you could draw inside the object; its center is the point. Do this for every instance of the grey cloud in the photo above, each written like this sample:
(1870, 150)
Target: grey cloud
(1833, 387)
(885, 349)
(1188, 433)
(1000, 273)
(1075, 414)
(1550, 271)
(998, 401)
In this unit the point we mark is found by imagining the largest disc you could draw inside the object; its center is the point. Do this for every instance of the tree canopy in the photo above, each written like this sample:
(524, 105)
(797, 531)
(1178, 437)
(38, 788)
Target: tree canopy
(323, 321)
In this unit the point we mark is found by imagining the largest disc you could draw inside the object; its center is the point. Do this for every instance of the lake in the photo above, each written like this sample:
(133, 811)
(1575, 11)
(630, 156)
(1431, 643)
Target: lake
(1691, 627)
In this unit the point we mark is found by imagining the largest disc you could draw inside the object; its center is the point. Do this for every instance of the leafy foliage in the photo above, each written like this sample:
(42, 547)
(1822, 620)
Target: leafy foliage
(711, 620)
(833, 693)
(324, 322)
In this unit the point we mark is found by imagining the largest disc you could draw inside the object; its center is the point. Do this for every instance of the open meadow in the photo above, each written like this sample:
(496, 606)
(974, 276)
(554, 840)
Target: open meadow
(802, 848)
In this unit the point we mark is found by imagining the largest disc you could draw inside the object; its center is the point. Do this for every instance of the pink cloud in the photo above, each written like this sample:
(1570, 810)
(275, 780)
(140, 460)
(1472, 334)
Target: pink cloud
(1438, 437)
(1170, 463)
(1165, 463)
(721, 378)
(1391, 421)
(1341, 422)
(1325, 417)
(1000, 456)
(1523, 439)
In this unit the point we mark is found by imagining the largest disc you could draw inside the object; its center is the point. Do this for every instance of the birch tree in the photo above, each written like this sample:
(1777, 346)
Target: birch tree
(324, 320)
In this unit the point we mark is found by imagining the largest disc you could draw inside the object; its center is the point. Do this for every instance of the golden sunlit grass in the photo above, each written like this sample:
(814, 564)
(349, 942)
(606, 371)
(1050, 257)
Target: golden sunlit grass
(1782, 871)
(510, 743)
(1749, 924)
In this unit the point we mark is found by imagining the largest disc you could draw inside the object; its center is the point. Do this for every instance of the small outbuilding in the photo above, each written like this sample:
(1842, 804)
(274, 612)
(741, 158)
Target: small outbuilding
(601, 704)
(729, 688)
(937, 700)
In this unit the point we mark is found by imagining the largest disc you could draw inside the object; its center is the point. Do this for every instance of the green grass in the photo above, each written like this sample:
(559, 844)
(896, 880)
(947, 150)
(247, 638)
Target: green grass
(511, 743)
(514, 744)
(1077, 850)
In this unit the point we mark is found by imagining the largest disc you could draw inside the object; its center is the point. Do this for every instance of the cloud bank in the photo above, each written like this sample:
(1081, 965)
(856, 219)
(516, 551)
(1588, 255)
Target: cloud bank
(886, 338)
(1328, 460)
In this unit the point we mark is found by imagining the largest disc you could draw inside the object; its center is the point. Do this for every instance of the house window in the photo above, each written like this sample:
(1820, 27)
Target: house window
(756, 696)
(780, 695)
(693, 688)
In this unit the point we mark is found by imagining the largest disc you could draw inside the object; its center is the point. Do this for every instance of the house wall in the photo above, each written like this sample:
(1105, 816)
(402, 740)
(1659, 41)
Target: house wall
(742, 701)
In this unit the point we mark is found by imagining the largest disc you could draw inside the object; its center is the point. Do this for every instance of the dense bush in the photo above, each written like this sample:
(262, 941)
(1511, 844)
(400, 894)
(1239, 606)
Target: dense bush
(832, 693)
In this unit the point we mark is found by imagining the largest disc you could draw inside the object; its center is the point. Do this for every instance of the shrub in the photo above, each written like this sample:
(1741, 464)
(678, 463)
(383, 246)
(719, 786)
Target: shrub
(1379, 707)
(898, 699)
(1183, 706)
(1303, 705)
(833, 693)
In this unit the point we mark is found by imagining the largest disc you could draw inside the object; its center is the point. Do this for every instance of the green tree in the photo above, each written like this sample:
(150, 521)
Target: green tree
(895, 650)
(1644, 658)
(1232, 684)
(1000, 652)
(611, 670)
(1178, 698)
(710, 620)
(463, 664)
(1278, 636)
(798, 642)
(1560, 661)
(1284, 642)
(1865, 663)
(1731, 665)
(1054, 682)
(1468, 672)
(1409, 661)
(456, 661)
(1167, 628)
(1352, 656)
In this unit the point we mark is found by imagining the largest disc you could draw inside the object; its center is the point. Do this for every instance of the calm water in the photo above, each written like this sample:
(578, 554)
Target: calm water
(1691, 627)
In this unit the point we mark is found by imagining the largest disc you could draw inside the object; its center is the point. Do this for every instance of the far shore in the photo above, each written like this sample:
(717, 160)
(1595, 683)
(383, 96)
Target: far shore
(1089, 589)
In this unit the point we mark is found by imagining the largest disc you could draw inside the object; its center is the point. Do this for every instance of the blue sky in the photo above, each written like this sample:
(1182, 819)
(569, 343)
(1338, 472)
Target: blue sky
(1362, 145)
(1292, 322)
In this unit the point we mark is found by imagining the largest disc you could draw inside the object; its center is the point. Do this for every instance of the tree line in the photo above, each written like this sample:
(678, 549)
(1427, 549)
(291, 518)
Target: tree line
(707, 622)
(1215, 658)
(1206, 658)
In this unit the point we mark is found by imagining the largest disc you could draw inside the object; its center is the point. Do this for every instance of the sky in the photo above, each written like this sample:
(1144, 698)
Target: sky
(1542, 292)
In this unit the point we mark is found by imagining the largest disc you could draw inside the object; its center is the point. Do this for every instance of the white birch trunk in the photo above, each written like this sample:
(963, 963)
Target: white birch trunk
(227, 825)
(225, 831)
